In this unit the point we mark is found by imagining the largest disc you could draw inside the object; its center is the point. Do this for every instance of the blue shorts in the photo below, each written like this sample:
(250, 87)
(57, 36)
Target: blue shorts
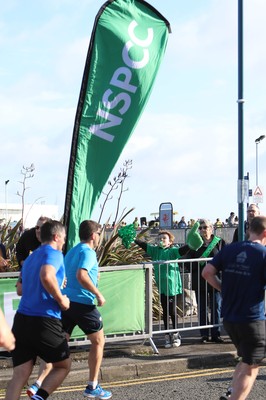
(86, 316)
(249, 339)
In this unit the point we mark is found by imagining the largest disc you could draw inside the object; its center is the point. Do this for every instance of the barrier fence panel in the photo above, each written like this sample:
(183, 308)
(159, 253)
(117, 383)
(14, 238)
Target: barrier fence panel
(127, 314)
(196, 308)
(9, 300)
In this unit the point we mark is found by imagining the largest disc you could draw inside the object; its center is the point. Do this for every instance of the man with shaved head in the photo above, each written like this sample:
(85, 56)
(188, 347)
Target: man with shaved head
(252, 212)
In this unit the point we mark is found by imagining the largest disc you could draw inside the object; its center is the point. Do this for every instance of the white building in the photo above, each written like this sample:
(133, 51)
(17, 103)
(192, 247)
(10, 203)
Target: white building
(13, 213)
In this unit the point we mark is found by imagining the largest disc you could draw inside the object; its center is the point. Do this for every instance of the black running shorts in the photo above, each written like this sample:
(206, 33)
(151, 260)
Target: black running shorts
(86, 316)
(249, 339)
(38, 336)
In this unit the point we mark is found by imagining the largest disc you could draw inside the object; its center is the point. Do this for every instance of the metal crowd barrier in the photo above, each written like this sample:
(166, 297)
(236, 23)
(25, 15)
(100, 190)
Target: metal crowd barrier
(118, 310)
(186, 304)
(144, 332)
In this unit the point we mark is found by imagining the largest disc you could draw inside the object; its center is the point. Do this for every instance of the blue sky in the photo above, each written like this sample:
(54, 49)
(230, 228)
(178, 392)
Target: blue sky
(184, 148)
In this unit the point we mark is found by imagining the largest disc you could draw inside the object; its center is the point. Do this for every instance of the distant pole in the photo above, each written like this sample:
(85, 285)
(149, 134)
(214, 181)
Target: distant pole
(257, 163)
(257, 141)
(240, 101)
(6, 182)
(246, 177)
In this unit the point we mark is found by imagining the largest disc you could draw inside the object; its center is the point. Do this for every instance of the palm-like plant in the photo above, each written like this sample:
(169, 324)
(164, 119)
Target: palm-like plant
(9, 238)
(111, 251)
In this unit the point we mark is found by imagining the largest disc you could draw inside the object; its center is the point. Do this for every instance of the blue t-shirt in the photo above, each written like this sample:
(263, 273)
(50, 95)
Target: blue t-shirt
(80, 256)
(35, 300)
(243, 266)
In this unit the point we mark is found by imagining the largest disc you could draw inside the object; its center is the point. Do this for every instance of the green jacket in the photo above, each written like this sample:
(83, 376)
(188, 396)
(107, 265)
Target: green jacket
(167, 276)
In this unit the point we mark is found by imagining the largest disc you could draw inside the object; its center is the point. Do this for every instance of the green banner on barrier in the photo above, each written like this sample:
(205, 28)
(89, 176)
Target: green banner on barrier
(123, 312)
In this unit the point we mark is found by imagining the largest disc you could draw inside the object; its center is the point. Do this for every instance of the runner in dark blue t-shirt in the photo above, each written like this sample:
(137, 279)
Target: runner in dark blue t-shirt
(243, 267)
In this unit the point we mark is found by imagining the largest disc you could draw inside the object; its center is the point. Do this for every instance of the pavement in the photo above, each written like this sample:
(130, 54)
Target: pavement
(136, 359)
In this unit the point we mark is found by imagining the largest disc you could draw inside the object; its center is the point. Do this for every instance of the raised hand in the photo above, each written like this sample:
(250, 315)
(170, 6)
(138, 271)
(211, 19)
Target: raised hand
(194, 240)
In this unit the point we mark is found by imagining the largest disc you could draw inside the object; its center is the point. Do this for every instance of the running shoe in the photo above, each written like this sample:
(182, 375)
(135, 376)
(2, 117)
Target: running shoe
(217, 339)
(176, 339)
(227, 395)
(168, 342)
(97, 393)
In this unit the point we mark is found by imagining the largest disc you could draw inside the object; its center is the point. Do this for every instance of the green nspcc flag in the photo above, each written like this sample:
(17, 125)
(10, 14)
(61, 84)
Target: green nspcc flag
(127, 45)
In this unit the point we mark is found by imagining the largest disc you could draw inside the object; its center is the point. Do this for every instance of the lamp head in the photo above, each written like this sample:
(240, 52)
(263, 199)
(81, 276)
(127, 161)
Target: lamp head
(259, 139)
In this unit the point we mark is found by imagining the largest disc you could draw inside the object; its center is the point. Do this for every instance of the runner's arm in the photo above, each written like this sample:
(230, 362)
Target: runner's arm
(86, 282)
(49, 282)
(7, 339)
(209, 273)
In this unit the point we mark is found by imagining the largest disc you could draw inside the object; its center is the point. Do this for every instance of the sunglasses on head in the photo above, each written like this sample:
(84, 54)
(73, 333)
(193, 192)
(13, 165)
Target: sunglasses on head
(203, 227)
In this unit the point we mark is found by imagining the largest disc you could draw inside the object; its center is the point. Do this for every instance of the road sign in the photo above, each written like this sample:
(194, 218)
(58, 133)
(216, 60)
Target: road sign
(166, 216)
(258, 195)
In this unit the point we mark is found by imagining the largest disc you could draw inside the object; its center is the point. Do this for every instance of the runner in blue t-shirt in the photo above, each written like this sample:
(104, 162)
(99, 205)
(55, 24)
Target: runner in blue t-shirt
(81, 257)
(243, 267)
(36, 300)
(37, 324)
(82, 289)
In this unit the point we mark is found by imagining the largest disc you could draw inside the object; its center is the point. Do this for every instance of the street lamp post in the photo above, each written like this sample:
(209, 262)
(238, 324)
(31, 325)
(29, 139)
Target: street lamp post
(257, 141)
(241, 182)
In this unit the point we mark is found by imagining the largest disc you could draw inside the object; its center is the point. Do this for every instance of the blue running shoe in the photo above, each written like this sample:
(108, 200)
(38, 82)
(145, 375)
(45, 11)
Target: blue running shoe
(98, 393)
